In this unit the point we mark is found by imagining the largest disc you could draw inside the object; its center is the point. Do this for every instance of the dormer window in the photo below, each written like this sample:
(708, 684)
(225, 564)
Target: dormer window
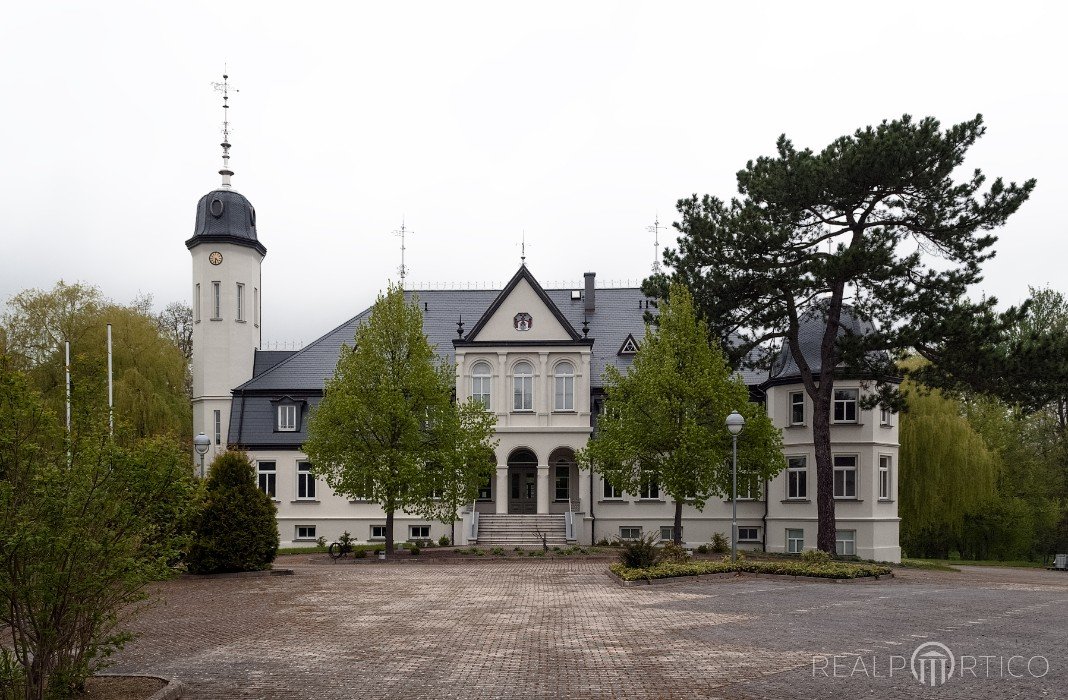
(287, 417)
(629, 347)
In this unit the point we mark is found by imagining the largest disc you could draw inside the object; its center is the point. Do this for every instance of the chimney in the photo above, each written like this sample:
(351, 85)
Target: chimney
(590, 294)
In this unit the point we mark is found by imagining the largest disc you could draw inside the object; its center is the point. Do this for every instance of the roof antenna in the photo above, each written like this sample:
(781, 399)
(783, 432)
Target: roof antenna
(523, 249)
(224, 88)
(655, 230)
(403, 269)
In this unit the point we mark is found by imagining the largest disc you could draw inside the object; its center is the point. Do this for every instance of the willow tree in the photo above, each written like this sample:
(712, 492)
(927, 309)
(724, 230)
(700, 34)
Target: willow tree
(854, 225)
(664, 419)
(946, 472)
(388, 430)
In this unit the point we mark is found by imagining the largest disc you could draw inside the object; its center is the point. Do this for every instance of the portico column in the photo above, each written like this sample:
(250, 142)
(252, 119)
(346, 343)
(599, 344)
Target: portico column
(502, 489)
(543, 488)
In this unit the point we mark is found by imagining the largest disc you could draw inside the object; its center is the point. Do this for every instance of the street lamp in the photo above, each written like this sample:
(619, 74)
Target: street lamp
(201, 443)
(735, 423)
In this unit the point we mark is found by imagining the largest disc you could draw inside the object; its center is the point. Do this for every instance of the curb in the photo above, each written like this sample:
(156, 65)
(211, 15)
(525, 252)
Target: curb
(245, 574)
(746, 574)
(172, 691)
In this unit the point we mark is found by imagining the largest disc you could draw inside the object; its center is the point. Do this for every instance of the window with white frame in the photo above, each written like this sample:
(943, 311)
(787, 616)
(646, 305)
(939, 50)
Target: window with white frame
(630, 533)
(256, 306)
(884, 477)
(305, 481)
(845, 405)
(748, 486)
(845, 476)
(481, 383)
(523, 387)
(217, 420)
(305, 532)
(196, 303)
(562, 485)
(797, 408)
(419, 532)
(287, 417)
(610, 491)
(795, 541)
(267, 477)
(240, 302)
(565, 386)
(748, 534)
(378, 532)
(886, 416)
(797, 477)
(650, 486)
(485, 491)
(216, 301)
(845, 543)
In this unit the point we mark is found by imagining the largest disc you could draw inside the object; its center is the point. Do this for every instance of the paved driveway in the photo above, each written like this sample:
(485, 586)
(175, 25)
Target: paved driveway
(563, 629)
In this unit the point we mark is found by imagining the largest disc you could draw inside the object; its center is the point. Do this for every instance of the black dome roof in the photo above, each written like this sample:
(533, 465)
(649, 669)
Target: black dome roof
(810, 338)
(225, 216)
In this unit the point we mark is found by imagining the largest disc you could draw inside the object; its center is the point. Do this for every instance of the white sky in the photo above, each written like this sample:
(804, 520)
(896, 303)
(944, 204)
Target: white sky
(576, 122)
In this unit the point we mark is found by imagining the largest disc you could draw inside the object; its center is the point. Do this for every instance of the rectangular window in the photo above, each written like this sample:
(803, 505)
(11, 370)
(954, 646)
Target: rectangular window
(378, 532)
(845, 543)
(845, 476)
(419, 532)
(748, 486)
(748, 534)
(884, 477)
(524, 393)
(267, 475)
(485, 491)
(218, 426)
(305, 532)
(886, 416)
(630, 533)
(795, 541)
(216, 301)
(256, 306)
(650, 487)
(480, 390)
(611, 491)
(565, 393)
(240, 302)
(305, 480)
(287, 417)
(563, 483)
(796, 477)
(797, 408)
(667, 533)
(196, 303)
(845, 405)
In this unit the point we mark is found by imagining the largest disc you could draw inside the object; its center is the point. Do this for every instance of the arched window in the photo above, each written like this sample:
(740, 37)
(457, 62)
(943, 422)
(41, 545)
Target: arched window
(480, 383)
(523, 387)
(565, 386)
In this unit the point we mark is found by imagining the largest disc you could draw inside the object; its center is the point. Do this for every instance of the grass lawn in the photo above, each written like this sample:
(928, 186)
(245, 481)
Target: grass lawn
(949, 564)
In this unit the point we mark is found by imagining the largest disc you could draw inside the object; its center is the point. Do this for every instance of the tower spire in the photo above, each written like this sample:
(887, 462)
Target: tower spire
(224, 88)
(403, 269)
(655, 230)
(523, 249)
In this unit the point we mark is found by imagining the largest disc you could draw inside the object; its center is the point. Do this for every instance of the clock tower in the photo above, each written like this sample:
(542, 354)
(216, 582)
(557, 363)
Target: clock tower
(226, 295)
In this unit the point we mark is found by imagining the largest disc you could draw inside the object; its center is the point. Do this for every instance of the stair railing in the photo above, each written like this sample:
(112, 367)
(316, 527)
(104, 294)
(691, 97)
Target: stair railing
(474, 521)
(569, 521)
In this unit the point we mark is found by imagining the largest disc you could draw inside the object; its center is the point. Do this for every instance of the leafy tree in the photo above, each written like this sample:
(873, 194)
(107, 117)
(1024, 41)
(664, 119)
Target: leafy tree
(85, 525)
(151, 375)
(853, 225)
(236, 529)
(175, 323)
(388, 430)
(665, 418)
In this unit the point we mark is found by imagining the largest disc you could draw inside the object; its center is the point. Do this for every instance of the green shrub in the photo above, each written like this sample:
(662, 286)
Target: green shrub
(640, 553)
(360, 553)
(444, 541)
(673, 553)
(414, 550)
(236, 529)
(459, 550)
(497, 551)
(831, 569)
(720, 544)
(603, 542)
(320, 542)
(703, 549)
(815, 556)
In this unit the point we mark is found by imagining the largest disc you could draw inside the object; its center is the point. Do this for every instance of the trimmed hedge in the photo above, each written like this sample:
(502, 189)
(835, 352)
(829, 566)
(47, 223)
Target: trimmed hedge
(830, 569)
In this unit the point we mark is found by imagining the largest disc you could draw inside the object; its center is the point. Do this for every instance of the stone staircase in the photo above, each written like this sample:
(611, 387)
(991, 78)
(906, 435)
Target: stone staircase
(495, 530)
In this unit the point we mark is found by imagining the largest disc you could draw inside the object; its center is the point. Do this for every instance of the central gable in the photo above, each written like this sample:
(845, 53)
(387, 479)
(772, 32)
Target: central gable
(522, 313)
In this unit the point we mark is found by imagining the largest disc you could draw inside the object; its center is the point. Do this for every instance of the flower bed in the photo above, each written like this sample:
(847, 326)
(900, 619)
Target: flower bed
(829, 569)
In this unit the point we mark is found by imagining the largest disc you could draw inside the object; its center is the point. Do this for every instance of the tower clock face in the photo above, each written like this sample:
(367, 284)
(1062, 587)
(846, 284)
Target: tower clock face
(215, 258)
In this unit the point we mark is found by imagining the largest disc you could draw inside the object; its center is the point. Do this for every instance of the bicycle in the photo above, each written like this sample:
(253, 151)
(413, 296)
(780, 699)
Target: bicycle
(342, 547)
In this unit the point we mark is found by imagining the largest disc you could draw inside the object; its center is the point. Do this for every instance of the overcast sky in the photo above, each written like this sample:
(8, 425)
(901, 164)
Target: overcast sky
(474, 122)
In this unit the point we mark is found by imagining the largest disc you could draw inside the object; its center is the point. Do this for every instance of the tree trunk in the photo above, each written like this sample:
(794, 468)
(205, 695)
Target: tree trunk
(389, 528)
(676, 536)
(821, 439)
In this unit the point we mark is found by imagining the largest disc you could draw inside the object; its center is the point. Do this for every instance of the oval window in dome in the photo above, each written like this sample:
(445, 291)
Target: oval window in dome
(252, 215)
(216, 207)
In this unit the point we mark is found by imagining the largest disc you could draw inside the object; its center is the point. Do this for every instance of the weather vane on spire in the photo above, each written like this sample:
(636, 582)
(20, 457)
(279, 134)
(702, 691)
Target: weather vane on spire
(403, 269)
(224, 88)
(523, 249)
(655, 230)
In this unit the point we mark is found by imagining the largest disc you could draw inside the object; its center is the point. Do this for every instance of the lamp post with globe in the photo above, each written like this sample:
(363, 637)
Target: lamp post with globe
(201, 443)
(735, 423)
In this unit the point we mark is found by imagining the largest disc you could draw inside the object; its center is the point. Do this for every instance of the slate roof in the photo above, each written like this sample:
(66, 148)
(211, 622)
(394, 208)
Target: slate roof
(266, 359)
(225, 216)
(810, 337)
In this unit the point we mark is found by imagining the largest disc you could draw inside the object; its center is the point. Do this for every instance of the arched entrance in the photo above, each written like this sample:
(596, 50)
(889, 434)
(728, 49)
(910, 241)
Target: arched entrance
(522, 482)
